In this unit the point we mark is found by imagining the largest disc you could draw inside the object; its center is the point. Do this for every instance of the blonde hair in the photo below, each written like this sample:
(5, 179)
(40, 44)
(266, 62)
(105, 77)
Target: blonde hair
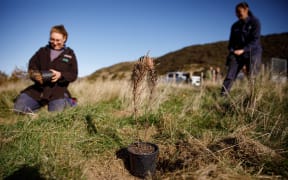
(60, 29)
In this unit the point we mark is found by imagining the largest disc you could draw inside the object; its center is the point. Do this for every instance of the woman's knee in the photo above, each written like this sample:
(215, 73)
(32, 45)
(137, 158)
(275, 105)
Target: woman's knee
(57, 105)
(24, 103)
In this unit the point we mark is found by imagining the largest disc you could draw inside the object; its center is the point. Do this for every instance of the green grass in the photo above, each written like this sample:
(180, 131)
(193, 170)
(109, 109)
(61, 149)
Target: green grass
(60, 142)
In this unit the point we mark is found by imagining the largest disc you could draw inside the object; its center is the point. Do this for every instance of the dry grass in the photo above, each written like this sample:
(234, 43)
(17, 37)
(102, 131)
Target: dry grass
(15, 86)
(91, 93)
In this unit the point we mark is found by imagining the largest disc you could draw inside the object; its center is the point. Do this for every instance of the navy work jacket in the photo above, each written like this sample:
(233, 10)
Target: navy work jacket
(245, 34)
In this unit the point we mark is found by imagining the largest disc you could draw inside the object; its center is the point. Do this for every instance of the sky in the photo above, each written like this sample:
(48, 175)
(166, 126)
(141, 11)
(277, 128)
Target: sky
(105, 32)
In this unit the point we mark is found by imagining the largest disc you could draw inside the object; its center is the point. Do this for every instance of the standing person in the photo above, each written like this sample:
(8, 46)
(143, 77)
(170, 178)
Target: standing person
(51, 69)
(244, 46)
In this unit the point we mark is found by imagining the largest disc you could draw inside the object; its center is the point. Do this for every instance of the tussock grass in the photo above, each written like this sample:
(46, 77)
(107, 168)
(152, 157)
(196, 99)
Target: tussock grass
(200, 134)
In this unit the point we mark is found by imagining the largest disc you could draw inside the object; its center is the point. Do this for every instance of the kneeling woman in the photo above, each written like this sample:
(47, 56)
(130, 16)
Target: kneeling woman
(51, 68)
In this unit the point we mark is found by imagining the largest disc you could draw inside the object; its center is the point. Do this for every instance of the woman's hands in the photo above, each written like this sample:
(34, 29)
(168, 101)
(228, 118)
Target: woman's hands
(38, 76)
(239, 52)
(56, 75)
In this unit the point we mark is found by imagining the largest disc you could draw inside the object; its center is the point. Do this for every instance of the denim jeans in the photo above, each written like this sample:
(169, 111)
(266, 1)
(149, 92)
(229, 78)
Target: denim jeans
(26, 104)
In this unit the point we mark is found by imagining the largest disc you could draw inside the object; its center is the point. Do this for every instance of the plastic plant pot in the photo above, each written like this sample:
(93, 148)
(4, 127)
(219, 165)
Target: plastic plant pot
(46, 76)
(143, 158)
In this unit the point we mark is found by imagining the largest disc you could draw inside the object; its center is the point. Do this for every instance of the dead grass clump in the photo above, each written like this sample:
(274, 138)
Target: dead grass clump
(215, 171)
(110, 168)
(233, 157)
(184, 155)
(244, 147)
(249, 153)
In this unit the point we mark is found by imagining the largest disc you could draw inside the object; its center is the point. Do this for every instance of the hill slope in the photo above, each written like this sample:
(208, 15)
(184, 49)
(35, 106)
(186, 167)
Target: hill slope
(198, 57)
(214, 54)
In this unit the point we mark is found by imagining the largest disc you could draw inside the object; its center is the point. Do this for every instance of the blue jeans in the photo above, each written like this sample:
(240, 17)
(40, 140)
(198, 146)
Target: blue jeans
(26, 104)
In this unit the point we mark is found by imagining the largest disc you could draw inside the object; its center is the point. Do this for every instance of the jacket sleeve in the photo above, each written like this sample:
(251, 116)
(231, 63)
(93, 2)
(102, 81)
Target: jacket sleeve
(231, 41)
(34, 65)
(72, 73)
(254, 36)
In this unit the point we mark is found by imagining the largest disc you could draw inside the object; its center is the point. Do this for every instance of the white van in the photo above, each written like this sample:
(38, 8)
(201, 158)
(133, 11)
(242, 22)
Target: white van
(177, 77)
(196, 80)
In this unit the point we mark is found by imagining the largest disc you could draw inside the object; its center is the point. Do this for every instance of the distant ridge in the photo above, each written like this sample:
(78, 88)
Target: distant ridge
(197, 57)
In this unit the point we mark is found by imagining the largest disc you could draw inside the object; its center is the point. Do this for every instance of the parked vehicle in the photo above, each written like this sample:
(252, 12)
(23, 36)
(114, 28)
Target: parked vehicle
(177, 77)
(196, 80)
(182, 77)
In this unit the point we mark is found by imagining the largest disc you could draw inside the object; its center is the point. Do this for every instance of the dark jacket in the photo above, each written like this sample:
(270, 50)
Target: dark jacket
(66, 63)
(246, 35)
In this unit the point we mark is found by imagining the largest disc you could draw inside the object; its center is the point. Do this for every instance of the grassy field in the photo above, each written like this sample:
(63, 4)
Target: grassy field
(200, 134)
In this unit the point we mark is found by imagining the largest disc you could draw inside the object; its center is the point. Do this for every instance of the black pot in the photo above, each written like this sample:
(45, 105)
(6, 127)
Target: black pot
(46, 76)
(143, 157)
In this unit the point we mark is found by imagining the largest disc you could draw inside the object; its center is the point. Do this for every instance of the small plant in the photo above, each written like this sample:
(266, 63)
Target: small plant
(143, 155)
(143, 76)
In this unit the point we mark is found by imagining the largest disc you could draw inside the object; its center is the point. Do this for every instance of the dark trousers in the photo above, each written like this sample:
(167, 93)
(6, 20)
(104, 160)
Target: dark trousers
(235, 64)
(26, 104)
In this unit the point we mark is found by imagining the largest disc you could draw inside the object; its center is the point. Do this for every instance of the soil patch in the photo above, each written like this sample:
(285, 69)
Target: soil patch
(141, 148)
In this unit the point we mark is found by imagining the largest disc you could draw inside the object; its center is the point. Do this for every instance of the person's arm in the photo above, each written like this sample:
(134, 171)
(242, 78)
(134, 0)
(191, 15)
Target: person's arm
(231, 42)
(254, 36)
(34, 68)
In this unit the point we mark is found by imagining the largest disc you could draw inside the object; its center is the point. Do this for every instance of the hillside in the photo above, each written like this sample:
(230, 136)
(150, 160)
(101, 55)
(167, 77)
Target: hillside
(214, 54)
(197, 57)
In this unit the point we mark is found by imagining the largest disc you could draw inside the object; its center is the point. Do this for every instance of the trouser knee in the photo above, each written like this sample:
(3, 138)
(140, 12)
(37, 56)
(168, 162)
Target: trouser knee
(57, 105)
(24, 103)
